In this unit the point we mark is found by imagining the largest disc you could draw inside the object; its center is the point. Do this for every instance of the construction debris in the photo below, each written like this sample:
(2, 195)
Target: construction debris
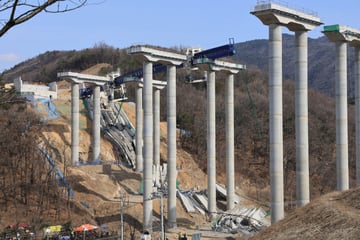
(220, 190)
(197, 200)
(237, 220)
(241, 220)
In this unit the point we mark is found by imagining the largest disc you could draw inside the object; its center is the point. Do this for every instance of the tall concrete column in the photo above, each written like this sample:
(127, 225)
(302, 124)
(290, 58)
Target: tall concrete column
(96, 124)
(301, 118)
(357, 112)
(156, 112)
(276, 123)
(277, 15)
(341, 116)
(148, 145)
(171, 149)
(230, 172)
(75, 124)
(139, 130)
(211, 144)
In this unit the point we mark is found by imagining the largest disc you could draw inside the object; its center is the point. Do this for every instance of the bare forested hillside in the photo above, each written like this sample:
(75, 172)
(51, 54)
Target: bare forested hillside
(28, 185)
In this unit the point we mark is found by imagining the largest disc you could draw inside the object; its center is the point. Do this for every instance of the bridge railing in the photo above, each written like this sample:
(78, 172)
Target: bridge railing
(287, 5)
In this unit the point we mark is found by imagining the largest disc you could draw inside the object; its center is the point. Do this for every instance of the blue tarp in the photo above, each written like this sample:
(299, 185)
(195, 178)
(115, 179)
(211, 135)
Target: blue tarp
(60, 178)
(49, 107)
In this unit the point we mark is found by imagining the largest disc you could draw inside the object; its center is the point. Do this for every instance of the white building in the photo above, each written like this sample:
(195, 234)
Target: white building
(34, 91)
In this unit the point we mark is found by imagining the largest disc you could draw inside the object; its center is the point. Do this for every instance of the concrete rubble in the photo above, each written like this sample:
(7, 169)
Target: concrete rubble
(197, 201)
(241, 220)
(237, 220)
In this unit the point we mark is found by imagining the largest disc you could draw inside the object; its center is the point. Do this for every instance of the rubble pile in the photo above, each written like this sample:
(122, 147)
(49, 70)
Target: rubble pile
(237, 220)
(241, 219)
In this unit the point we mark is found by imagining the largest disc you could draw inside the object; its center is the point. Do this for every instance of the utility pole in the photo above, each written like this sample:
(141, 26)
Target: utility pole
(122, 199)
(162, 216)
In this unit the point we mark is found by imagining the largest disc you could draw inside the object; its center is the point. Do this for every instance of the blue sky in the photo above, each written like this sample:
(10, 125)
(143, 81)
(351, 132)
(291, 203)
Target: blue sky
(166, 23)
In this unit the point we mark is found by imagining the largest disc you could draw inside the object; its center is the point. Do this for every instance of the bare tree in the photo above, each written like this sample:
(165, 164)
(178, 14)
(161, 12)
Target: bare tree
(15, 12)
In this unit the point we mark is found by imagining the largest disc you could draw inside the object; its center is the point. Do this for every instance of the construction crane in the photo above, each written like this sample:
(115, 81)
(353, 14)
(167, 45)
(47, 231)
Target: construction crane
(192, 54)
(217, 52)
(114, 92)
(133, 76)
(136, 75)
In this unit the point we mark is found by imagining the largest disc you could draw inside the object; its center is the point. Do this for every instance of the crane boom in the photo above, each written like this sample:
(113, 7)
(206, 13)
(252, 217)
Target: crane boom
(213, 53)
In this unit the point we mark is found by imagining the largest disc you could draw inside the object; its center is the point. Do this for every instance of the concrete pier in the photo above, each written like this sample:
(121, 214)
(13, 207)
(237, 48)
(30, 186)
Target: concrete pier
(171, 59)
(301, 118)
(230, 69)
(341, 36)
(150, 55)
(75, 124)
(211, 144)
(148, 146)
(342, 158)
(353, 37)
(230, 168)
(357, 112)
(96, 130)
(97, 81)
(276, 122)
(156, 112)
(171, 151)
(275, 15)
(157, 135)
(139, 129)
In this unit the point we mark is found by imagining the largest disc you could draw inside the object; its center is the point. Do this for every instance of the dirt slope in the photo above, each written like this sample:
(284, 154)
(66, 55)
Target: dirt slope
(333, 216)
(97, 190)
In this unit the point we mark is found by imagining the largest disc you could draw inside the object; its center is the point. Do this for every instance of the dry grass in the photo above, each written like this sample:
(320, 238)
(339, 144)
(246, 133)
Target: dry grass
(333, 216)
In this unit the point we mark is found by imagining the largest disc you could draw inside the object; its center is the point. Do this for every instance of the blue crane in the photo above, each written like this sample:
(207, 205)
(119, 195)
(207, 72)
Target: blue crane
(217, 52)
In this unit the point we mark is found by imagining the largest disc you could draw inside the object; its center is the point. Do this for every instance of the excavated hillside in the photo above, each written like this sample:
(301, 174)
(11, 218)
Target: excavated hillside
(97, 188)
